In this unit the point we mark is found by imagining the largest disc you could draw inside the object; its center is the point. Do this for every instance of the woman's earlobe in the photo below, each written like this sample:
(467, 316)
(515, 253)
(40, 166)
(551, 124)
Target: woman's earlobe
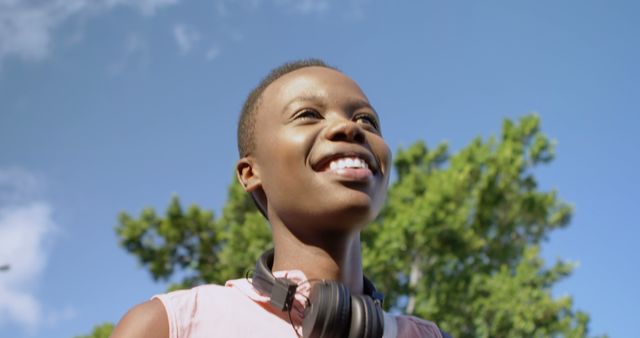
(247, 174)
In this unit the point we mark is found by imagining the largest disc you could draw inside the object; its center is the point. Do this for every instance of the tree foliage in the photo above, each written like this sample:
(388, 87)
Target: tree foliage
(194, 245)
(100, 331)
(457, 241)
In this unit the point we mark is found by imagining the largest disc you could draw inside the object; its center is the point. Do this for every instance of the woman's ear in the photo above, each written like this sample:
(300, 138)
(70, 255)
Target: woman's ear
(247, 174)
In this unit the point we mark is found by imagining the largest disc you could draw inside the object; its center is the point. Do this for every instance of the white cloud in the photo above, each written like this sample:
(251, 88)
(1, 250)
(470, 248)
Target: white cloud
(221, 8)
(27, 26)
(147, 7)
(136, 51)
(311, 6)
(212, 53)
(55, 317)
(357, 9)
(186, 37)
(224, 7)
(26, 226)
(17, 186)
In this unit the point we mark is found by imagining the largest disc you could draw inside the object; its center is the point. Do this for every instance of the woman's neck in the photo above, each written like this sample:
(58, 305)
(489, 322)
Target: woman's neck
(334, 257)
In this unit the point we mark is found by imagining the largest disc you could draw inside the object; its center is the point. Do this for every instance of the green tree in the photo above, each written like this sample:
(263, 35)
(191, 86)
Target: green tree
(457, 241)
(186, 242)
(193, 244)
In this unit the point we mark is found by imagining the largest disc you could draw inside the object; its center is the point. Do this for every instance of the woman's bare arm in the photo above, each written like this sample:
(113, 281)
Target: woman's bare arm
(146, 320)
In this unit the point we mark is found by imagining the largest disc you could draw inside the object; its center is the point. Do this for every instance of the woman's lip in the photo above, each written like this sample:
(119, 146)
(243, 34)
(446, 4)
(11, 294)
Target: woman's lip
(323, 164)
(355, 174)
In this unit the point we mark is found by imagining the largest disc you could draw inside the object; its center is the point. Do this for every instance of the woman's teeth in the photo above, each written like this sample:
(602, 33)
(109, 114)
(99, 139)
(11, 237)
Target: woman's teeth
(348, 162)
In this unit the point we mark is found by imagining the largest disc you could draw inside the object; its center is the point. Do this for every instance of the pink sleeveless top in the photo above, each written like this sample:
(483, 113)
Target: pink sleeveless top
(239, 310)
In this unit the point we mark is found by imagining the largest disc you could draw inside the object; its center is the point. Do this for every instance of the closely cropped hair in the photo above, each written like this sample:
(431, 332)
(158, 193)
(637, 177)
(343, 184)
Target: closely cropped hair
(246, 124)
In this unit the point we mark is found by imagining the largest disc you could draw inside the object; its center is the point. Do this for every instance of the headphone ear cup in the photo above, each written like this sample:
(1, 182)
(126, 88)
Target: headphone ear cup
(328, 314)
(377, 317)
(367, 318)
(358, 314)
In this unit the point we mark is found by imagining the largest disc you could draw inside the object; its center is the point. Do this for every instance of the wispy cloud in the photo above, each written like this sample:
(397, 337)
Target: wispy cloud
(226, 7)
(26, 226)
(306, 6)
(64, 314)
(212, 53)
(147, 7)
(136, 51)
(185, 36)
(27, 26)
(357, 9)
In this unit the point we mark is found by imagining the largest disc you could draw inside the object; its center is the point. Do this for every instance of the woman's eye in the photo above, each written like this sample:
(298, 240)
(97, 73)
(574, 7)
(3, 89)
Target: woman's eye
(307, 114)
(367, 119)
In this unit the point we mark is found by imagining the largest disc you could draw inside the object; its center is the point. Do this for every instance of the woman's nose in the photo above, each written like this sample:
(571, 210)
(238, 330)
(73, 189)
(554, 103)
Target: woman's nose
(345, 130)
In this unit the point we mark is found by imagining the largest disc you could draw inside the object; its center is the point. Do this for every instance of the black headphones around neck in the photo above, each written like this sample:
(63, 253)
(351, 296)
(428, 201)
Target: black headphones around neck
(332, 311)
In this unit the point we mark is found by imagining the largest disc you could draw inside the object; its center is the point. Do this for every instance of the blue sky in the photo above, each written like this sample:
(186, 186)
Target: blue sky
(115, 105)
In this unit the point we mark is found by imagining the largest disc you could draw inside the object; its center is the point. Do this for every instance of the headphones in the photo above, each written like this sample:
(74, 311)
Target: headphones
(332, 311)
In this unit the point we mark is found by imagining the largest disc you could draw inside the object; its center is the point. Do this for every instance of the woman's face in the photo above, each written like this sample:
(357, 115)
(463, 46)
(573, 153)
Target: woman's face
(319, 155)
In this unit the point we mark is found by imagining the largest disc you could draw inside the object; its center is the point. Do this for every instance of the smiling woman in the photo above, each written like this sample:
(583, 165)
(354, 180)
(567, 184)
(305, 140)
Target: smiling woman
(314, 160)
(300, 134)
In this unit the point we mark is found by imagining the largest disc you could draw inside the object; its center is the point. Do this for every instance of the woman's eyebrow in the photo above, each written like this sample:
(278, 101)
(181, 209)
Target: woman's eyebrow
(351, 105)
(317, 99)
(357, 103)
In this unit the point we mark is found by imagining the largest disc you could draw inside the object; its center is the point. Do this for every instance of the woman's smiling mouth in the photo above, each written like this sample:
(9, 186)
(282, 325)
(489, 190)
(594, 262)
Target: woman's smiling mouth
(348, 166)
(348, 162)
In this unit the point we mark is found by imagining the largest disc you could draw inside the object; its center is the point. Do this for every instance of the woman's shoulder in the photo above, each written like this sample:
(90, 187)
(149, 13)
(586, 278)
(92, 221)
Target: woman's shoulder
(195, 291)
(147, 319)
(160, 315)
(204, 298)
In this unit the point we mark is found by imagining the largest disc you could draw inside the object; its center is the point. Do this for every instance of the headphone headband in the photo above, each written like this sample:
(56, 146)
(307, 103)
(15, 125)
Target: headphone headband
(282, 291)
